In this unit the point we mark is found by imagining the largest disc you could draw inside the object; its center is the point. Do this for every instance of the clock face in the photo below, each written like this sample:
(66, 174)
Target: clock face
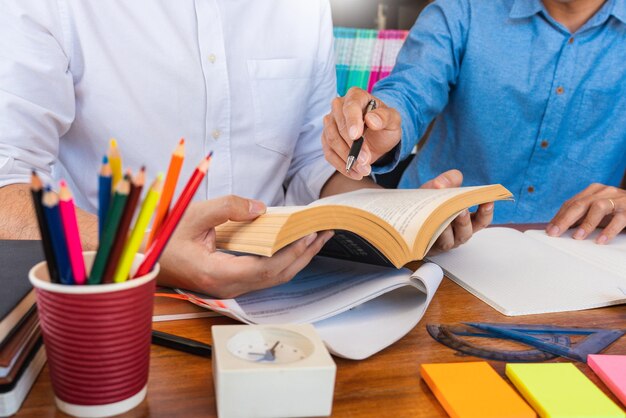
(270, 346)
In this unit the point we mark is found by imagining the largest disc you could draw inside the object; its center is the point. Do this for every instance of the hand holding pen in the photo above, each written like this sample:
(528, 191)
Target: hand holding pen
(346, 124)
(355, 149)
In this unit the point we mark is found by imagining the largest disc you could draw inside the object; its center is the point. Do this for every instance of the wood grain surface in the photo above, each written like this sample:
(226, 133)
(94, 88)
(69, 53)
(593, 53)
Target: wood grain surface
(387, 384)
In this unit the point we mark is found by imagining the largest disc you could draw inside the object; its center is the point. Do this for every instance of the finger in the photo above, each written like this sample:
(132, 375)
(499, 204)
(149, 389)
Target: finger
(210, 213)
(333, 138)
(248, 273)
(338, 163)
(339, 120)
(383, 118)
(354, 104)
(557, 226)
(301, 262)
(567, 216)
(483, 216)
(451, 178)
(598, 209)
(617, 225)
(445, 241)
(462, 228)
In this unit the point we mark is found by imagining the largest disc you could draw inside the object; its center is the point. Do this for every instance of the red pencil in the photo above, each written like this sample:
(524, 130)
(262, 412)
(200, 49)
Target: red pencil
(70, 225)
(170, 223)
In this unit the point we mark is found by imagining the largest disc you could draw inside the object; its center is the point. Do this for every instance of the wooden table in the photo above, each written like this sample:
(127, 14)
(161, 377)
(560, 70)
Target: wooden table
(386, 384)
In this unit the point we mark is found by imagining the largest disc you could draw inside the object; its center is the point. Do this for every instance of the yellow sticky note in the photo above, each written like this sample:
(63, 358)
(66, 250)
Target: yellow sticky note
(560, 390)
(474, 390)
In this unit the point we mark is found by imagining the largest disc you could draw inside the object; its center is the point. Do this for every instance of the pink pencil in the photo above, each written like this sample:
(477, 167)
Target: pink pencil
(70, 224)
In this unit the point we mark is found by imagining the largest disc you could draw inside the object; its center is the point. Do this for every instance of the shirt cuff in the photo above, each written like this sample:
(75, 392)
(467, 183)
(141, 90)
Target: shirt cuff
(406, 144)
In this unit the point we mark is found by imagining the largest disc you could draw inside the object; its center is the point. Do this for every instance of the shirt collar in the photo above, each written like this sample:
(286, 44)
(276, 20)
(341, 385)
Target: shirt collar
(525, 8)
(619, 10)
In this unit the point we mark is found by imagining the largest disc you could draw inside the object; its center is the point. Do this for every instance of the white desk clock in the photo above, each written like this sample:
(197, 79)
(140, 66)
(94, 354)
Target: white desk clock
(271, 371)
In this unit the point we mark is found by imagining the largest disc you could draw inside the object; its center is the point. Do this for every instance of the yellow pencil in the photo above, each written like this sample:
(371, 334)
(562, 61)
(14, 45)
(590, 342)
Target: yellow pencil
(115, 160)
(136, 237)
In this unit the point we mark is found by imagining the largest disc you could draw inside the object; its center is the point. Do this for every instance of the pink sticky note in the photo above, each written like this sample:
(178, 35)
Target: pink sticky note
(612, 370)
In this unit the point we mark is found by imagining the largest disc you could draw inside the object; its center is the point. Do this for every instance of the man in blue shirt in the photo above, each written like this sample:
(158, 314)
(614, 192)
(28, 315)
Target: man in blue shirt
(527, 93)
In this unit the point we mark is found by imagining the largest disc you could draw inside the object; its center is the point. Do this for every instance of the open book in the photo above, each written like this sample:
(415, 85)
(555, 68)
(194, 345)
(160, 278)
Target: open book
(375, 226)
(357, 309)
(531, 273)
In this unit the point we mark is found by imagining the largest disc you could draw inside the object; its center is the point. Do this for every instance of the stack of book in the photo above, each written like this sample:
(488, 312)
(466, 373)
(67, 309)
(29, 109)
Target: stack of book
(364, 56)
(21, 348)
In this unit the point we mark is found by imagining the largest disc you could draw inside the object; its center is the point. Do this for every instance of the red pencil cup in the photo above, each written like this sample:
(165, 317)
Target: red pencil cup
(97, 340)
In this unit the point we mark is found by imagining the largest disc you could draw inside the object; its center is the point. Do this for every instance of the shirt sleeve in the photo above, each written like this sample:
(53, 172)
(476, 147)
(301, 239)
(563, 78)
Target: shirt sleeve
(36, 89)
(309, 170)
(426, 70)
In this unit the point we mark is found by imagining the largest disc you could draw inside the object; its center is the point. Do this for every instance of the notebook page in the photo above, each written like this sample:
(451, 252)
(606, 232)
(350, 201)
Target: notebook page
(519, 275)
(344, 300)
(611, 257)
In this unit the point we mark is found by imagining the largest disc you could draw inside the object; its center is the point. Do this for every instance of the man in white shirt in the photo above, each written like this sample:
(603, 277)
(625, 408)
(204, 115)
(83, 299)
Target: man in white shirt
(249, 80)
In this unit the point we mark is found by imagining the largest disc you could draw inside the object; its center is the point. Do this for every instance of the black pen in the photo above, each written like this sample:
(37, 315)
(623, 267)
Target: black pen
(357, 144)
(181, 344)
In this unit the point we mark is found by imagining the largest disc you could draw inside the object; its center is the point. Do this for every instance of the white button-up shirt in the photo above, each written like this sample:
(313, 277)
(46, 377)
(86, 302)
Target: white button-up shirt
(248, 79)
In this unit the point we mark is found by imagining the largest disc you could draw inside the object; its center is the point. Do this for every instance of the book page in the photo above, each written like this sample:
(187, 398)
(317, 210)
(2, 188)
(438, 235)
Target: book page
(520, 275)
(405, 210)
(344, 298)
(611, 256)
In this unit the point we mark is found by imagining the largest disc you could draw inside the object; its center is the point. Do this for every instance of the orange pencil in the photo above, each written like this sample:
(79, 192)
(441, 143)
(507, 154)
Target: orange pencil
(70, 225)
(171, 222)
(171, 179)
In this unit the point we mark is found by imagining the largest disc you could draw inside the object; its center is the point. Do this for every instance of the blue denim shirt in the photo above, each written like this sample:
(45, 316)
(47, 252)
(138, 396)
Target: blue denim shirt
(518, 100)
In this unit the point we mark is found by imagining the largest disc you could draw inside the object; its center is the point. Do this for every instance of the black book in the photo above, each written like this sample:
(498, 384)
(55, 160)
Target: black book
(17, 297)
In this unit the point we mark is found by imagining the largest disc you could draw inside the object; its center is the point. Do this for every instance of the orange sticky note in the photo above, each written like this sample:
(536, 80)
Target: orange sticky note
(474, 389)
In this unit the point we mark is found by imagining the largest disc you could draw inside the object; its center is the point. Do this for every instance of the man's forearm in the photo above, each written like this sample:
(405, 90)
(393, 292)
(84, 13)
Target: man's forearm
(339, 183)
(18, 220)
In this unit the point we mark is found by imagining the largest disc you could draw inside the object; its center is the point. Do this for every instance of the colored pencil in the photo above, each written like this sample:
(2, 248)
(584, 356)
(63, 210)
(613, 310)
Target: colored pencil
(36, 191)
(115, 159)
(122, 230)
(171, 179)
(105, 184)
(59, 246)
(136, 237)
(170, 223)
(72, 236)
(110, 230)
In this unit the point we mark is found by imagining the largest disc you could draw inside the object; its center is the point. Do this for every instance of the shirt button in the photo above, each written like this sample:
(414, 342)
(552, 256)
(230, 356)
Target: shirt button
(560, 90)
(212, 58)
(216, 134)
(530, 189)
(570, 41)
(544, 144)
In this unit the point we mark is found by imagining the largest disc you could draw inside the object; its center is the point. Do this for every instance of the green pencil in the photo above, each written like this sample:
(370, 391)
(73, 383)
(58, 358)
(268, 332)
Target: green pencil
(110, 231)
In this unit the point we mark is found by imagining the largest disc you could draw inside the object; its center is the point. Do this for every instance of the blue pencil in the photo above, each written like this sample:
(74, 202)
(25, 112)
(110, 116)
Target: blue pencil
(59, 245)
(104, 193)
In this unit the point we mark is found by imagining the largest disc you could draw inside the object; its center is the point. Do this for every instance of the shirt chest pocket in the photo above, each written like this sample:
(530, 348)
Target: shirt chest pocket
(599, 140)
(280, 91)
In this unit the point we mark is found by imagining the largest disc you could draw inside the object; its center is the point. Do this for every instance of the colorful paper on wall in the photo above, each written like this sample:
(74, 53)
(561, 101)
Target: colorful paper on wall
(364, 56)
(474, 389)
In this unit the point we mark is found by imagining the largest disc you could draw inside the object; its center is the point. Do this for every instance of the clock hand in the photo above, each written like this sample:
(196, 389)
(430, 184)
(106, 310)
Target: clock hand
(273, 350)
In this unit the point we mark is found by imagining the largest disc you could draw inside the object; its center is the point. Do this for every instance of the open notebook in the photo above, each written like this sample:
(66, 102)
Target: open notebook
(358, 309)
(531, 273)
